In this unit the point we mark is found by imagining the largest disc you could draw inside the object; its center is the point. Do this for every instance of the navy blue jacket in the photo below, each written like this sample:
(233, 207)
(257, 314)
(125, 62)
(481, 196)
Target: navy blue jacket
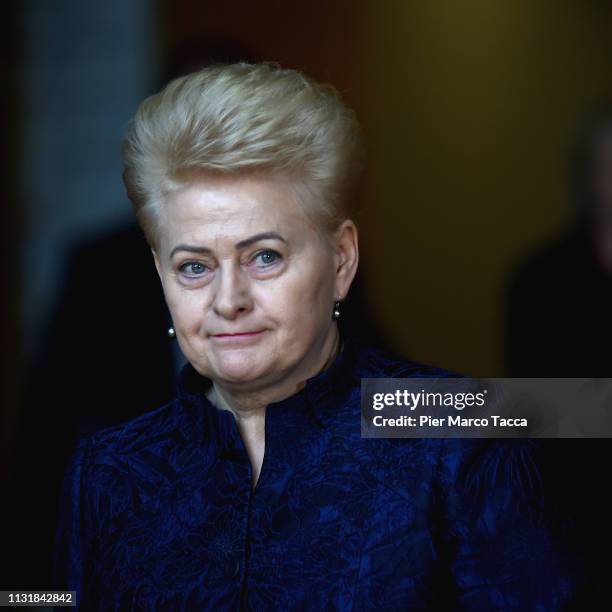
(160, 513)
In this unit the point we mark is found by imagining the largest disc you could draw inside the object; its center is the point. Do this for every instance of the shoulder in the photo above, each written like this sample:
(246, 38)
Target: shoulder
(464, 465)
(143, 432)
(337, 392)
(373, 362)
(342, 413)
(137, 462)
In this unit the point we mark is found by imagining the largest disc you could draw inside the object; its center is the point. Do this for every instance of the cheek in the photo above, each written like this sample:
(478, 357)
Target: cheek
(305, 296)
(185, 309)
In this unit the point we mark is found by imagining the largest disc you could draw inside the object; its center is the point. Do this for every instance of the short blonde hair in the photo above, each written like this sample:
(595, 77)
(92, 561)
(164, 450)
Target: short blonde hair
(241, 118)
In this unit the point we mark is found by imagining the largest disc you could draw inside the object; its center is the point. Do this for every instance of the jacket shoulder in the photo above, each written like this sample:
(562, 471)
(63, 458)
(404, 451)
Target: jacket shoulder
(375, 362)
(136, 463)
(151, 428)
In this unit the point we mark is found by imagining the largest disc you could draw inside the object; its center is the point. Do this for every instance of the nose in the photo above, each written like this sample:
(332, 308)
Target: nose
(233, 294)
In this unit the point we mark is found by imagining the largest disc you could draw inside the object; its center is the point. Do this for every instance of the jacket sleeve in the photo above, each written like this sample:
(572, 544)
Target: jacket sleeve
(73, 552)
(503, 548)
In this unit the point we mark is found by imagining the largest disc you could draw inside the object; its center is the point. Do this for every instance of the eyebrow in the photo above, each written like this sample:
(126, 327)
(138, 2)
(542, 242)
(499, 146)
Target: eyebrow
(239, 245)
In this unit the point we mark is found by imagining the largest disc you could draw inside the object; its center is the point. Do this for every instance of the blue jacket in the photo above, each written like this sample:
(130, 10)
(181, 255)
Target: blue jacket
(160, 513)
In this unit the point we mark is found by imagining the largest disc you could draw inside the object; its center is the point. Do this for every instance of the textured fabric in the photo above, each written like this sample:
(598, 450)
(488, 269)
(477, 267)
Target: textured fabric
(161, 514)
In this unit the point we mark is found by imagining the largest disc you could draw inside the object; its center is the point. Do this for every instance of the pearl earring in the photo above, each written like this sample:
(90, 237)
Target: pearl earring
(171, 332)
(336, 312)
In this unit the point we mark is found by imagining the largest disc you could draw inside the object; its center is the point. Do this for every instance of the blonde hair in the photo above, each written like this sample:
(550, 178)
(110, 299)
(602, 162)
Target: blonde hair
(242, 118)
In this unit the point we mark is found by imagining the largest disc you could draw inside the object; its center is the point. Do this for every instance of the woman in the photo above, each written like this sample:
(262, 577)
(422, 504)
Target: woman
(254, 488)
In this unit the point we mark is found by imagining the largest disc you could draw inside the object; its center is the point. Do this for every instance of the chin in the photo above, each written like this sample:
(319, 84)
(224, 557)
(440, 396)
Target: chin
(238, 369)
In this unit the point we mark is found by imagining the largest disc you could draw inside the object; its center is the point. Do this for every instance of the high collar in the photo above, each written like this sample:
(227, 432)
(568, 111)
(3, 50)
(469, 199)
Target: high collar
(321, 397)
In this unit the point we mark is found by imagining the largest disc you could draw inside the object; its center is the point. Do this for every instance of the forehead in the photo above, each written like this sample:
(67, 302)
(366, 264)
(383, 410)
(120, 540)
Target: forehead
(232, 208)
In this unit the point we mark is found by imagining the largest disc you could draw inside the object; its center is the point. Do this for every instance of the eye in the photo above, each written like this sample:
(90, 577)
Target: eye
(266, 258)
(193, 268)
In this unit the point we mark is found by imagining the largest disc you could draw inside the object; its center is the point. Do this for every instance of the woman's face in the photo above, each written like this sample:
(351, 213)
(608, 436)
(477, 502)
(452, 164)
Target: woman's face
(249, 281)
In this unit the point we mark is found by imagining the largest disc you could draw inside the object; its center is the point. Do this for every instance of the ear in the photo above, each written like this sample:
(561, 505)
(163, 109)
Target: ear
(347, 257)
(157, 263)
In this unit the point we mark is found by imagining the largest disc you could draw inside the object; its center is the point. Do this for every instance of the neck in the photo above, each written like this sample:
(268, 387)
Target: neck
(252, 403)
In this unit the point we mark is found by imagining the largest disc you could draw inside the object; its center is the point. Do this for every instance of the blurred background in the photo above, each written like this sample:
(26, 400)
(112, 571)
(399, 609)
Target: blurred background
(485, 213)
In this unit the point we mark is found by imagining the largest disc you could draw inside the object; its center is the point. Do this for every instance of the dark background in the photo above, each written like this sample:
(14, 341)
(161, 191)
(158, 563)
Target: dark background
(473, 257)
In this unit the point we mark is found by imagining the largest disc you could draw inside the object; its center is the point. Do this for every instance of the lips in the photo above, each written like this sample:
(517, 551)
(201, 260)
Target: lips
(238, 334)
(237, 339)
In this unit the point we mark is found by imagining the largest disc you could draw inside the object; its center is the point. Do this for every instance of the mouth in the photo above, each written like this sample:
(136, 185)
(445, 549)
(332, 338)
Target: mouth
(239, 334)
(238, 337)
